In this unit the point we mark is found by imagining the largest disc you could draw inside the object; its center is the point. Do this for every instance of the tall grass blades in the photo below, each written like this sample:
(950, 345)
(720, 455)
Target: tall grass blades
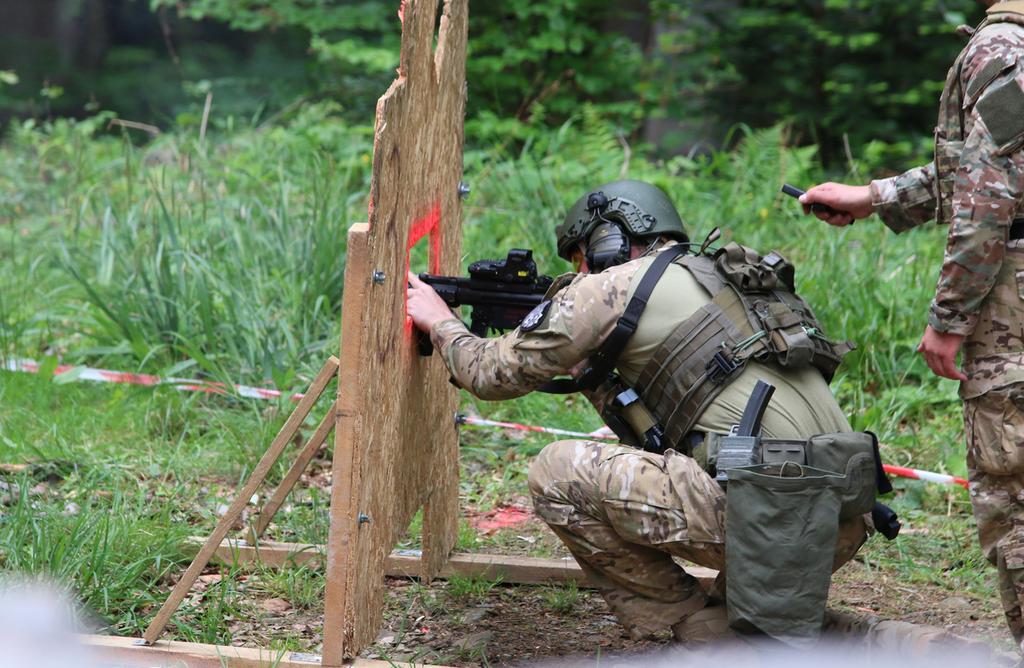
(114, 553)
(235, 266)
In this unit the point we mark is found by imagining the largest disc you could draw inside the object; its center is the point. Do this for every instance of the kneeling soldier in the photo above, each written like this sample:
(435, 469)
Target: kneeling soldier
(668, 343)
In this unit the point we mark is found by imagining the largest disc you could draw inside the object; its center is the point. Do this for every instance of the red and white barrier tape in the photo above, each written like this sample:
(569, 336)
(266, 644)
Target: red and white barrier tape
(603, 433)
(192, 385)
(927, 476)
(181, 384)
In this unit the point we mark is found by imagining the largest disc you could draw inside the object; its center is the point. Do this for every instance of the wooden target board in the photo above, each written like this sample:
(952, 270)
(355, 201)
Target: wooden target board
(396, 444)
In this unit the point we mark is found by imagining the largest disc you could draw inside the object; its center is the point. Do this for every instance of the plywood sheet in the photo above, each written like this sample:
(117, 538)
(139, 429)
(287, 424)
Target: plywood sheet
(396, 446)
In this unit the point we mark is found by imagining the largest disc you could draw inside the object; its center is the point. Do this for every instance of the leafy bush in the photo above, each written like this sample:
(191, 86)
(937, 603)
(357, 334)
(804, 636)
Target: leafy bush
(835, 69)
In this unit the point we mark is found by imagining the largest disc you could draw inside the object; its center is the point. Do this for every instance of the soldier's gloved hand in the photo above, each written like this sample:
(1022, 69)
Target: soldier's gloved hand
(939, 350)
(849, 203)
(425, 306)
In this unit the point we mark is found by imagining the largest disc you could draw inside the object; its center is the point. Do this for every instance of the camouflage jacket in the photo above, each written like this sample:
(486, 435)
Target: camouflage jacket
(976, 183)
(583, 311)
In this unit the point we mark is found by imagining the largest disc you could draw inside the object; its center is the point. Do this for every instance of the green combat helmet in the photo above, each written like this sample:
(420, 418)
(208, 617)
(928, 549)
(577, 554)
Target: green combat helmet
(608, 218)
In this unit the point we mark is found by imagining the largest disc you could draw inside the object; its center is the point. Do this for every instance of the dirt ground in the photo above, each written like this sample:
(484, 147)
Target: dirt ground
(864, 591)
(473, 622)
(503, 625)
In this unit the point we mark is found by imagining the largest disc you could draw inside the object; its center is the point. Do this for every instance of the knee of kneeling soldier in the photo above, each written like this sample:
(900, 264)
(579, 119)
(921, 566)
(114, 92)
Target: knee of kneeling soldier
(563, 462)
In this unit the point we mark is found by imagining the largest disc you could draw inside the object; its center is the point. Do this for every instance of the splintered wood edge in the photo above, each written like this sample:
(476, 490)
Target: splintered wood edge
(168, 653)
(406, 563)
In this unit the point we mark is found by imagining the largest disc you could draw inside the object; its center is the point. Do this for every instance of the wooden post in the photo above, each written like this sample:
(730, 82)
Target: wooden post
(396, 442)
(163, 616)
(346, 466)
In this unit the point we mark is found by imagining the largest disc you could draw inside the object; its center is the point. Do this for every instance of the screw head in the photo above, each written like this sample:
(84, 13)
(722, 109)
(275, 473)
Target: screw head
(379, 276)
(464, 190)
(364, 518)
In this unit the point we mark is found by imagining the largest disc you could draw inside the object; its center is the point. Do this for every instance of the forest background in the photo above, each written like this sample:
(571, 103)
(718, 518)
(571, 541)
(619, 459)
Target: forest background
(177, 179)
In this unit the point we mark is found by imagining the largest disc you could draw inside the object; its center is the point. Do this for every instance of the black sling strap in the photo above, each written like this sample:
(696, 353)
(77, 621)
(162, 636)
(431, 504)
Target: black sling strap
(603, 361)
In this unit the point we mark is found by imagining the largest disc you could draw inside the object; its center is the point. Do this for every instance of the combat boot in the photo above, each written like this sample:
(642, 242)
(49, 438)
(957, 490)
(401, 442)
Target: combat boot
(707, 625)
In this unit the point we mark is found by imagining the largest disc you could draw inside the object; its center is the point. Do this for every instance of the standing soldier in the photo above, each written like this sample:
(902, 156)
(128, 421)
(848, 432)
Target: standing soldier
(975, 185)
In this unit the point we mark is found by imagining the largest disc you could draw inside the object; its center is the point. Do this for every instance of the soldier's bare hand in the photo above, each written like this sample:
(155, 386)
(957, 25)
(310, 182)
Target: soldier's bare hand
(849, 203)
(425, 306)
(939, 350)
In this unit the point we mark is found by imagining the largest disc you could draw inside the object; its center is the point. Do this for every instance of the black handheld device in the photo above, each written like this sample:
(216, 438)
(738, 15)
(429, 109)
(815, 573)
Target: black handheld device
(816, 207)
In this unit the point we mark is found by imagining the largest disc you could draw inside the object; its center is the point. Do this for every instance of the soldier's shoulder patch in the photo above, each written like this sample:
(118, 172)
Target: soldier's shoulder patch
(535, 317)
(559, 284)
(991, 68)
(1001, 107)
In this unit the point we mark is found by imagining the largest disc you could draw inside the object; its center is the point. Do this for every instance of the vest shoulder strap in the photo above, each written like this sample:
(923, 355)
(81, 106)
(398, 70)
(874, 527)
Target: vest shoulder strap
(702, 268)
(603, 361)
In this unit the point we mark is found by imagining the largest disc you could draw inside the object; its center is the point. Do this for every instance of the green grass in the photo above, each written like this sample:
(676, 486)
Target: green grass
(225, 261)
(119, 477)
(562, 599)
(471, 587)
(302, 586)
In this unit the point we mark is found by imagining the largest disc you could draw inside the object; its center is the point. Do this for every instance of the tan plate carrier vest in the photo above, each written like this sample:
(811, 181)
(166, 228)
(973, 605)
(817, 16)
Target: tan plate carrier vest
(754, 313)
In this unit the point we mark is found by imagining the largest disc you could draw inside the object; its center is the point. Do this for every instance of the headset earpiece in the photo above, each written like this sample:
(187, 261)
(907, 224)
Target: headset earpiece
(607, 246)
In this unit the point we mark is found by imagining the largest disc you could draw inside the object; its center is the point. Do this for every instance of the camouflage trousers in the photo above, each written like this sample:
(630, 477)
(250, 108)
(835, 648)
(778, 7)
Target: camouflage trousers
(624, 513)
(994, 429)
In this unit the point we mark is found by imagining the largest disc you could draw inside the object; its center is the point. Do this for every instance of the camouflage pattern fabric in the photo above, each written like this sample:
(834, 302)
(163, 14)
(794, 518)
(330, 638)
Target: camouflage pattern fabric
(624, 514)
(976, 186)
(994, 424)
(993, 354)
(986, 177)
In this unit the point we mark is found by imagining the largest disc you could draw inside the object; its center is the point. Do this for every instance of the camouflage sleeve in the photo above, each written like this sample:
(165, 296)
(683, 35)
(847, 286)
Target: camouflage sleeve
(987, 192)
(576, 322)
(907, 200)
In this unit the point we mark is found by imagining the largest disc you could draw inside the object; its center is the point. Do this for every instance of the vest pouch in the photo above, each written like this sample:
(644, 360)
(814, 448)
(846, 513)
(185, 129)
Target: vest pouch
(742, 267)
(622, 430)
(781, 528)
(851, 455)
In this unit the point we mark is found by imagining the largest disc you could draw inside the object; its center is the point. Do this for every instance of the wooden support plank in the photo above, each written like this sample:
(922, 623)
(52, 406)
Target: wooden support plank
(130, 653)
(406, 563)
(510, 569)
(309, 451)
(346, 463)
(267, 553)
(163, 616)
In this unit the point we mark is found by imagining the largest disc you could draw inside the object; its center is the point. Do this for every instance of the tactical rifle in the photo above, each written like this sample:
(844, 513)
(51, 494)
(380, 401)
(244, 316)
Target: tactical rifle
(501, 292)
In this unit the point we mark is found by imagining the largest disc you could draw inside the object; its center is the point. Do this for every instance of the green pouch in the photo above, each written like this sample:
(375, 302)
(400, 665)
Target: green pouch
(780, 537)
(850, 454)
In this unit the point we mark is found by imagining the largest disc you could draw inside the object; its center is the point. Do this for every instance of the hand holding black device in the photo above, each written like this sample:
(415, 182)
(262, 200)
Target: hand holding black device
(816, 207)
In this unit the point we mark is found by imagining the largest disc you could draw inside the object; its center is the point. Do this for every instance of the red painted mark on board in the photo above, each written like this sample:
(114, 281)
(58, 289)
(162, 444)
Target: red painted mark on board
(429, 224)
